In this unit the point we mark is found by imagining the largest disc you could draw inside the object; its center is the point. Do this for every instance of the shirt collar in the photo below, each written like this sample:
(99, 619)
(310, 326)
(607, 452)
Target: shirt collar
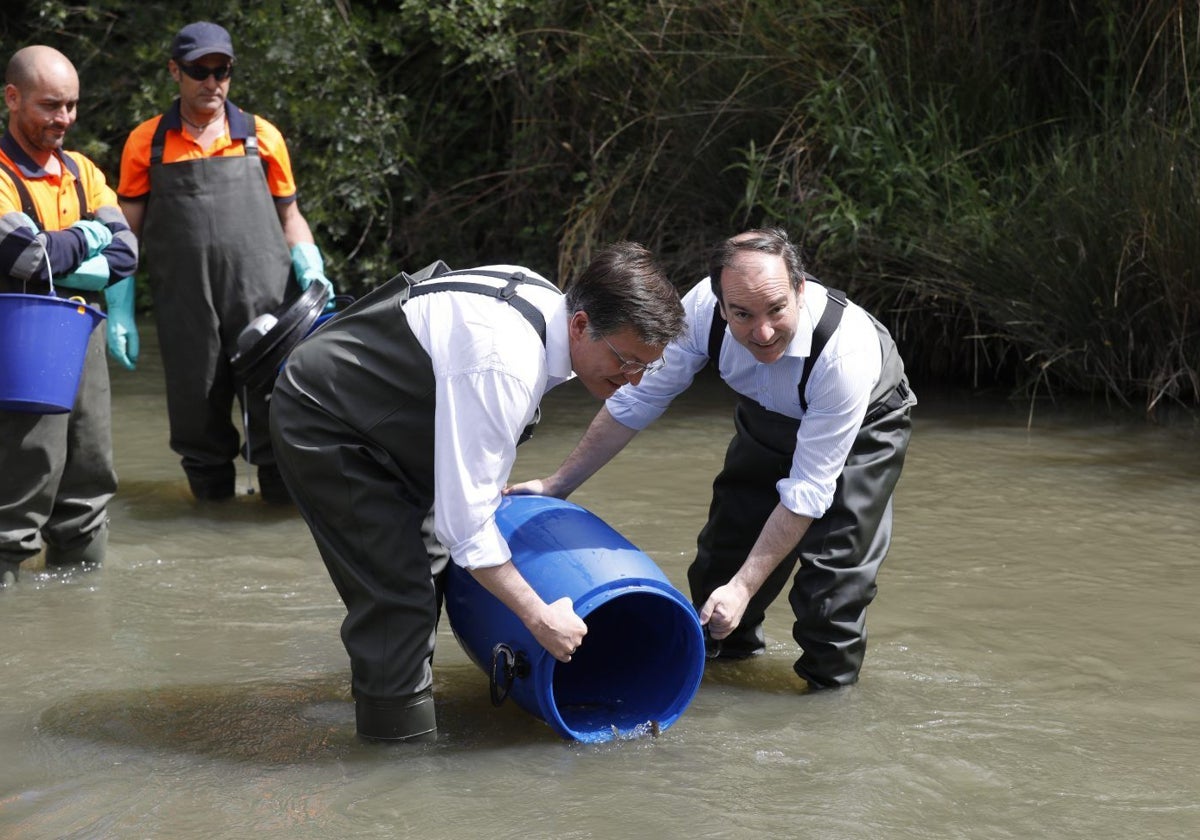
(28, 166)
(558, 345)
(234, 117)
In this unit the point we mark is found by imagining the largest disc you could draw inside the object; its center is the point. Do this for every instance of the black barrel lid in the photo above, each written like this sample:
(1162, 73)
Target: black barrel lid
(266, 341)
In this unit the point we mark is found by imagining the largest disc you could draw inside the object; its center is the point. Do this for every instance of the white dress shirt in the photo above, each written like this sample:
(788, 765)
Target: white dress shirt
(491, 371)
(839, 388)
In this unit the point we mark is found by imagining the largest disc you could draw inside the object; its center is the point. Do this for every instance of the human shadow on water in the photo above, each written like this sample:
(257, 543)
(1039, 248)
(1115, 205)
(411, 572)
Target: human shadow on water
(150, 500)
(278, 723)
(770, 672)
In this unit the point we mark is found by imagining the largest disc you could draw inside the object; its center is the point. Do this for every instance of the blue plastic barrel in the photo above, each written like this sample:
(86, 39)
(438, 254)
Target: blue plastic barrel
(43, 344)
(642, 659)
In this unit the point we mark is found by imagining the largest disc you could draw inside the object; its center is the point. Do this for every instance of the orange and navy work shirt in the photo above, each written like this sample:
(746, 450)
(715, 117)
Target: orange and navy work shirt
(55, 200)
(179, 146)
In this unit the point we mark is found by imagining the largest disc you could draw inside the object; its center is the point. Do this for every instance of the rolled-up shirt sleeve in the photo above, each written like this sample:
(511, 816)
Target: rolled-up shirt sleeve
(480, 415)
(838, 396)
(491, 369)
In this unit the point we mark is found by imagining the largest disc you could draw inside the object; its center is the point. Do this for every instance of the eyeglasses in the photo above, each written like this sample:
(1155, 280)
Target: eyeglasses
(199, 72)
(631, 368)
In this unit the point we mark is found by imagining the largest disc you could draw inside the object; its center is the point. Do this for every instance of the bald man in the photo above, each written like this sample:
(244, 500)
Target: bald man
(62, 230)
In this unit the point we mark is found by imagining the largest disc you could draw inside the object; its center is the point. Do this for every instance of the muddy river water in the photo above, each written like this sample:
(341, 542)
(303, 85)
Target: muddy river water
(1033, 667)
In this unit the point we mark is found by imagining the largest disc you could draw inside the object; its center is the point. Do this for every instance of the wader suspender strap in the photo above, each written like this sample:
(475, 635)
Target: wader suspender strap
(716, 335)
(27, 205)
(508, 293)
(830, 319)
(241, 126)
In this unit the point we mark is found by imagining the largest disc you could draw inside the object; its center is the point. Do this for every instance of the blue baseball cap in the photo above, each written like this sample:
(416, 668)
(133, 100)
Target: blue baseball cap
(197, 40)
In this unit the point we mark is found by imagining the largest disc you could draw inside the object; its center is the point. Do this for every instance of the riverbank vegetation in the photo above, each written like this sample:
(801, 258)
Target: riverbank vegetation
(1013, 187)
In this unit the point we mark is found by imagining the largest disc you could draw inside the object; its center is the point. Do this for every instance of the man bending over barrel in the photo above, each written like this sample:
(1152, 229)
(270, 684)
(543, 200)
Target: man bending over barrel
(422, 392)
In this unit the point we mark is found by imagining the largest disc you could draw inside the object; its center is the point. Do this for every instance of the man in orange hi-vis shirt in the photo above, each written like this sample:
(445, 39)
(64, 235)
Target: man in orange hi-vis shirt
(209, 190)
(60, 229)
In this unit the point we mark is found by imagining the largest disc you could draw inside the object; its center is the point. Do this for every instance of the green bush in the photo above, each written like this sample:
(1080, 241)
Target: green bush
(1012, 187)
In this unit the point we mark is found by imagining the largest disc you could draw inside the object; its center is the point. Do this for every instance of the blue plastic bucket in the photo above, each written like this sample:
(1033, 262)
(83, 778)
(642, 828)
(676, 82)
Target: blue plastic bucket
(321, 319)
(642, 659)
(340, 304)
(43, 343)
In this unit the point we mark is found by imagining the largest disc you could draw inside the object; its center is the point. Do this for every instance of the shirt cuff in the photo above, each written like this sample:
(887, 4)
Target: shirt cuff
(802, 498)
(483, 549)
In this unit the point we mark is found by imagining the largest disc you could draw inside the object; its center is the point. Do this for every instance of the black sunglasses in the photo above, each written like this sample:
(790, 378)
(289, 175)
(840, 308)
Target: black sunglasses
(200, 72)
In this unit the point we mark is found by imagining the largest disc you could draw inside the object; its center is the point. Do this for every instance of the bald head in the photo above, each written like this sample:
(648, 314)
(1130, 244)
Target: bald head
(29, 65)
(42, 92)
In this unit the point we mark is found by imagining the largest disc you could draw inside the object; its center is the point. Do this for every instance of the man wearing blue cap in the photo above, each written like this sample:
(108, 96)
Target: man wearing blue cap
(210, 191)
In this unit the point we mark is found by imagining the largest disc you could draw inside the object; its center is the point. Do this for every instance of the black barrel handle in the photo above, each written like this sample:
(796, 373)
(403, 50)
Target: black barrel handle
(507, 667)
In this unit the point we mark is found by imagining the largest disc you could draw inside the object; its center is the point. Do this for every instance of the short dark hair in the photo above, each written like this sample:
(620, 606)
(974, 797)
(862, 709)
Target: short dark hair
(624, 286)
(772, 241)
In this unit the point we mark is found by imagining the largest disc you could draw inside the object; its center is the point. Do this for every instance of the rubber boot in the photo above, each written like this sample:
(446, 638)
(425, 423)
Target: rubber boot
(10, 572)
(87, 553)
(411, 719)
(271, 486)
(212, 484)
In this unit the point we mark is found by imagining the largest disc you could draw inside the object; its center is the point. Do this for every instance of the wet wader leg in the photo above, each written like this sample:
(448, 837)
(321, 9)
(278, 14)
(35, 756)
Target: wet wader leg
(199, 396)
(217, 258)
(744, 496)
(367, 523)
(30, 479)
(841, 555)
(77, 530)
(256, 445)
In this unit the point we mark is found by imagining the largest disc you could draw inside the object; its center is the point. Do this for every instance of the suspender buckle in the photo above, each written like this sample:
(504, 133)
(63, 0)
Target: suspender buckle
(510, 290)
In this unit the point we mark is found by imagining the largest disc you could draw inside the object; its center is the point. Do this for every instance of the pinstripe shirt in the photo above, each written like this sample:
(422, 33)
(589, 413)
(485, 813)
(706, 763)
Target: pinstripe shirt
(839, 388)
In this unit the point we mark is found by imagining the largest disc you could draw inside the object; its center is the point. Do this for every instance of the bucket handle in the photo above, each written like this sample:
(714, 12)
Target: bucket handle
(49, 274)
(514, 665)
(41, 241)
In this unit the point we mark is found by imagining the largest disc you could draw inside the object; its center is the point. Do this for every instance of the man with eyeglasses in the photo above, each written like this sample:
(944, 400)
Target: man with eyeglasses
(422, 391)
(209, 189)
(822, 427)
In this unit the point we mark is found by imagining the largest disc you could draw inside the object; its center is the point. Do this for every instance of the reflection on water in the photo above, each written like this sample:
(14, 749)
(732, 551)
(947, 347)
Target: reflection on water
(1032, 668)
(271, 722)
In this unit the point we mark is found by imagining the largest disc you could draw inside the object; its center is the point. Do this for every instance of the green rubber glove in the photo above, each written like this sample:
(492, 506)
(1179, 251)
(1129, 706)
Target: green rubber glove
(123, 344)
(310, 268)
(91, 275)
(96, 234)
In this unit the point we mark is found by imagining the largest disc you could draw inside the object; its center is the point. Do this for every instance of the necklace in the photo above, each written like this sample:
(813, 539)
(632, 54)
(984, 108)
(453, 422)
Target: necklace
(199, 129)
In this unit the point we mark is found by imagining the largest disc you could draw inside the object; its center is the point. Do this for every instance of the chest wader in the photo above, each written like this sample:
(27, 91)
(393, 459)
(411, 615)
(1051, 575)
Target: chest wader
(352, 422)
(216, 257)
(56, 484)
(840, 555)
